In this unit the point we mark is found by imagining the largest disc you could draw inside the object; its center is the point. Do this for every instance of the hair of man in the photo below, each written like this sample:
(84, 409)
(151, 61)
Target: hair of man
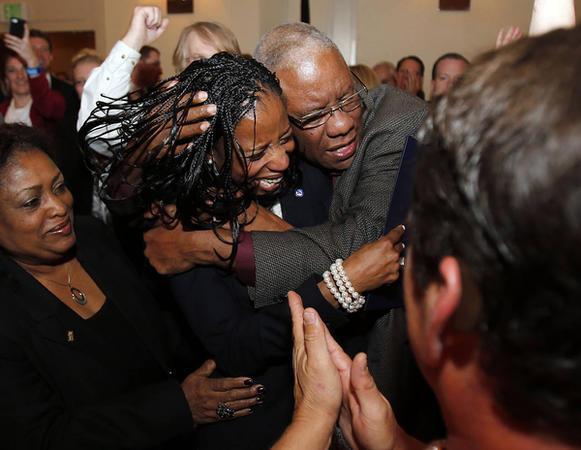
(455, 56)
(290, 45)
(498, 188)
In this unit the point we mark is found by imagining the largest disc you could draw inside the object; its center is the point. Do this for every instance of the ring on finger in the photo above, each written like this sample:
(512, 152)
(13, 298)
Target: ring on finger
(402, 261)
(224, 412)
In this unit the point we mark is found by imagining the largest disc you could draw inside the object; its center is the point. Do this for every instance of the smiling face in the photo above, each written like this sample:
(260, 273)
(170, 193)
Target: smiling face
(266, 144)
(317, 83)
(16, 78)
(36, 221)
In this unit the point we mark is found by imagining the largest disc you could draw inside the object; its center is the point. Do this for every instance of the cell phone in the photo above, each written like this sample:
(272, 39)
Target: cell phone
(17, 27)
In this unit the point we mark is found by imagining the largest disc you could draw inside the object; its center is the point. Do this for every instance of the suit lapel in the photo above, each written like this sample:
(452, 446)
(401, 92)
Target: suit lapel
(308, 204)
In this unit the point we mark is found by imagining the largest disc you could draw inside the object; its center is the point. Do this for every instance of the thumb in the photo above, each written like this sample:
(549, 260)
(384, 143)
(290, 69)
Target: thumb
(361, 380)
(206, 369)
(315, 341)
(395, 234)
(163, 26)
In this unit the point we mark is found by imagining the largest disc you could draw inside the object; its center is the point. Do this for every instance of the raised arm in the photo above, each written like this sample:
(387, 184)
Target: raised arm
(113, 78)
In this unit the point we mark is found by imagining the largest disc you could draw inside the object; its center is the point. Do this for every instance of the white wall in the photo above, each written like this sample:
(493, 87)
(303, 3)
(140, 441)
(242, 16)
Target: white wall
(386, 29)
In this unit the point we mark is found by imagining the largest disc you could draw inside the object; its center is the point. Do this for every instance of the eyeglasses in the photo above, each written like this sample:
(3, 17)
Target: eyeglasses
(318, 118)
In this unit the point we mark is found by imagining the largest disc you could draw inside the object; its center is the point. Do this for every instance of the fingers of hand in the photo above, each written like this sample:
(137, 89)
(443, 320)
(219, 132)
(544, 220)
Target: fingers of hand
(197, 112)
(227, 384)
(239, 394)
(500, 38)
(395, 234)
(164, 25)
(246, 403)
(361, 380)
(315, 341)
(399, 247)
(206, 369)
(296, 307)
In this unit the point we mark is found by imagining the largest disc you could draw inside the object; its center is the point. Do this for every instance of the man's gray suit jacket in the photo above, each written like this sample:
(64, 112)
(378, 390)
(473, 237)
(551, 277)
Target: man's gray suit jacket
(359, 206)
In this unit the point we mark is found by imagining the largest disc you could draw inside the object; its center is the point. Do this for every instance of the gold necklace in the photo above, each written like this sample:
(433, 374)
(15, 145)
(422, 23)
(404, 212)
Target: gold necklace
(77, 295)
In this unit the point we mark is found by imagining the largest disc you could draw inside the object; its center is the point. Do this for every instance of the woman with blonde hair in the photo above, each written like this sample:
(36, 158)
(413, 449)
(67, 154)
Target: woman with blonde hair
(83, 64)
(366, 75)
(202, 40)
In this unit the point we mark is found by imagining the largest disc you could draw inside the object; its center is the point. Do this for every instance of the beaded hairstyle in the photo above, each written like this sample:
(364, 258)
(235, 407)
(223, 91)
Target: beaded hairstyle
(152, 156)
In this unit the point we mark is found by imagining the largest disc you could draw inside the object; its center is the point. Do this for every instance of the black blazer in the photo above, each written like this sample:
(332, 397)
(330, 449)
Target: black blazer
(246, 341)
(67, 154)
(68, 92)
(56, 392)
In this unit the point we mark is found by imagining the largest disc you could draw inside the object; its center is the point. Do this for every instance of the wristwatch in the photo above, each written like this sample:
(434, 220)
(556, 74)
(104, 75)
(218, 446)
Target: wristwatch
(33, 71)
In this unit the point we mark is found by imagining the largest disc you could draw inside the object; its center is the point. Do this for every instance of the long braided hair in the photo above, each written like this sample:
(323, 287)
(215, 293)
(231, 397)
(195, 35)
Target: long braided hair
(143, 150)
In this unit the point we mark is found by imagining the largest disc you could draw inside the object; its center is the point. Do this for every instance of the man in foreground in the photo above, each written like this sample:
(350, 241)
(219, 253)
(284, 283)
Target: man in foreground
(493, 327)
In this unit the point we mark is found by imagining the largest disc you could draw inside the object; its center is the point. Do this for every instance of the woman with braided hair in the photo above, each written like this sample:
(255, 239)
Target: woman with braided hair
(214, 180)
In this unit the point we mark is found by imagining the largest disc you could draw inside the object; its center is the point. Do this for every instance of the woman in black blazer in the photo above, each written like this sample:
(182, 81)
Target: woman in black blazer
(85, 359)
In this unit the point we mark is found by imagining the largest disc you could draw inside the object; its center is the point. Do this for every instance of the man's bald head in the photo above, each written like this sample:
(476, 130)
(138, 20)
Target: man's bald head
(291, 44)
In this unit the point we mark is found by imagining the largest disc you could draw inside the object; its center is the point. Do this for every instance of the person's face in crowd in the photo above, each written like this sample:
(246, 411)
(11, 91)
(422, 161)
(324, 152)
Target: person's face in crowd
(409, 77)
(266, 143)
(16, 78)
(385, 74)
(198, 48)
(448, 73)
(318, 83)
(42, 51)
(36, 221)
(81, 74)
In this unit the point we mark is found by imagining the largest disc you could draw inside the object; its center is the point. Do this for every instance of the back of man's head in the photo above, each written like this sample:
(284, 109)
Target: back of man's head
(291, 44)
(498, 188)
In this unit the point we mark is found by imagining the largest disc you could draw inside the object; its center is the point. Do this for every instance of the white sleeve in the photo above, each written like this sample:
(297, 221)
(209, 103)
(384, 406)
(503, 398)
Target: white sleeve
(551, 14)
(112, 79)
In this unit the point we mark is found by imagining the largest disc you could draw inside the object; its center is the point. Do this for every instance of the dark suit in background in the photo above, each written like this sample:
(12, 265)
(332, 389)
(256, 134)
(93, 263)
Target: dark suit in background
(68, 155)
(61, 381)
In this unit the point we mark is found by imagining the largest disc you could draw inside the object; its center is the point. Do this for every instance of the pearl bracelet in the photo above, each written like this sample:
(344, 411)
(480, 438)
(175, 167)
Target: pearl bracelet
(340, 286)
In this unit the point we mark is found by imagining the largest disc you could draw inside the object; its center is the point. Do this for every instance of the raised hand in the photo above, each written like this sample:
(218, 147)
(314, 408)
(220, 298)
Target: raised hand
(22, 47)
(508, 35)
(146, 26)
(205, 395)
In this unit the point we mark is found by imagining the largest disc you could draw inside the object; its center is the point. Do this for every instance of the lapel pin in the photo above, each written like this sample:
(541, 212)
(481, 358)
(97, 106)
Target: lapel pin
(70, 336)
(299, 193)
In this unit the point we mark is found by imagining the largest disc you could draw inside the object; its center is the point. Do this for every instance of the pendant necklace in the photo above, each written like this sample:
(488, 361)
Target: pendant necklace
(77, 295)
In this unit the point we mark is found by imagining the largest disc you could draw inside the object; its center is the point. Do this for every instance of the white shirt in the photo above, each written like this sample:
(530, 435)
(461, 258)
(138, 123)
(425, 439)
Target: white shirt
(111, 79)
(18, 115)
